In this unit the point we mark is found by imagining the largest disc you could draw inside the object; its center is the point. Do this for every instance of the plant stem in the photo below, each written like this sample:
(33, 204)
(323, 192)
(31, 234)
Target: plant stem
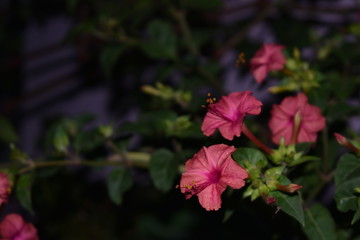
(137, 159)
(240, 36)
(180, 17)
(255, 140)
(325, 149)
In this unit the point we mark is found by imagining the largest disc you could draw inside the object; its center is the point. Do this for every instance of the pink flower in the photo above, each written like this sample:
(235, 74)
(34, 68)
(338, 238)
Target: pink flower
(295, 116)
(13, 227)
(209, 172)
(5, 188)
(227, 115)
(266, 59)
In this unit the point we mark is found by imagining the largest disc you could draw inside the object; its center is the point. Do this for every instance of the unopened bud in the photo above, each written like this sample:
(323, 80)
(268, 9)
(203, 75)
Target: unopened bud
(346, 143)
(288, 188)
(269, 200)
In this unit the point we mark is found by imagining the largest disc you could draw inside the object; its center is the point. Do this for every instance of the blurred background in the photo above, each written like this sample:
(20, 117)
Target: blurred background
(88, 60)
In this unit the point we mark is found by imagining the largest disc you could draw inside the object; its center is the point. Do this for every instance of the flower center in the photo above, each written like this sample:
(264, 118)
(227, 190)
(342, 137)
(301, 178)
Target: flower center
(214, 176)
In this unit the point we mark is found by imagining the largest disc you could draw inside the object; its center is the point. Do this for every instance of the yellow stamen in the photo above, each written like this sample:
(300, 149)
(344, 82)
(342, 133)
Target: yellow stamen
(241, 59)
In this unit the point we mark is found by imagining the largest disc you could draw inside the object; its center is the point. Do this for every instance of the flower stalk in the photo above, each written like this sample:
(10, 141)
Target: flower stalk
(255, 140)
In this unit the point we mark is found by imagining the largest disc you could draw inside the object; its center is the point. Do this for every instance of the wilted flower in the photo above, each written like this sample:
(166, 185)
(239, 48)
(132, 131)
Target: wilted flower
(5, 188)
(295, 120)
(13, 227)
(209, 172)
(266, 59)
(227, 115)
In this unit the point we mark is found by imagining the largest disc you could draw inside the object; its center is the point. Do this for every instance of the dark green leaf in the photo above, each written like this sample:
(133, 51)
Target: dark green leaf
(303, 147)
(163, 168)
(228, 214)
(304, 159)
(342, 234)
(151, 123)
(17, 155)
(61, 139)
(347, 168)
(290, 204)
(339, 110)
(251, 155)
(109, 57)
(118, 182)
(345, 195)
(319, 224)
(88, 141)
(357, 213)
(162, 42)
(7, 132)
(23, 191)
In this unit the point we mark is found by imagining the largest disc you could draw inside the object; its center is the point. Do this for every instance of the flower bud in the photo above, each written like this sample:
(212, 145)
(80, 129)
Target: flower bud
(288, 188)
(346, 143)
(269, 200)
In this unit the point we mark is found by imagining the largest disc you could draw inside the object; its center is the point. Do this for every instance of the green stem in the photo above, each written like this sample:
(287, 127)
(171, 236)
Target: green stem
(180, 17)
(325, 178)
(325, 149)
(137, 159)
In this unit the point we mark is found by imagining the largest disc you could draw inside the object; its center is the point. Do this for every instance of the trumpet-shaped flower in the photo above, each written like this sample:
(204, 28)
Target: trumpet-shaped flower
(13, 227)
(209, 172)
(227, 115)
(295, 120)
(5, 188)
(266, 59)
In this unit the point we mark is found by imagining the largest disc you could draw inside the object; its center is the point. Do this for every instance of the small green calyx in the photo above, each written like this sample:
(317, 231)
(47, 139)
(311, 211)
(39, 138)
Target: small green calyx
(167, 93)
(298, 76)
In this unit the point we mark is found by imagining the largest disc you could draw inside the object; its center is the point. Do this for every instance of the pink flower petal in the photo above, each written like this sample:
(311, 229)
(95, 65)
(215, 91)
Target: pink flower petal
(282, 120)
(227, 114)
(260, 72)
(209, 172)
(13, 227)
(210, 197)
(266, 59)
(233, 175)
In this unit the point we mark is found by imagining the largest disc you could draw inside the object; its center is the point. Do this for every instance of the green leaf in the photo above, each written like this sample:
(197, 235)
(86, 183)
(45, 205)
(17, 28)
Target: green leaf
(119, 181)
(304, 159)
(303, 147)
(88, 141)
(7, 132)
(61, 139)
(290, 204)
(357, 213)
(109, 57)
(342, 234)
(163, 169)
(17, 155)
(251, 155)
(23, 191)
(319, 224)
(339, 110)
(162, 42)
(347, 168)
(345, 195)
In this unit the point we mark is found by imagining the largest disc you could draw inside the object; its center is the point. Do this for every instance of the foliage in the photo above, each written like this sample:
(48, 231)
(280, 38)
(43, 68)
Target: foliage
(299, 189)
